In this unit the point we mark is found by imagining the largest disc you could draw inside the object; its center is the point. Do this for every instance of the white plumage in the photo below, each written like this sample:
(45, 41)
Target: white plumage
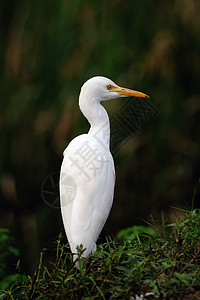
(87, 174)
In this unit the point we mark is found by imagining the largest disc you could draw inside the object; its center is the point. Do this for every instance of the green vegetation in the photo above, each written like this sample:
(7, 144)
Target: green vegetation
(48, 49)
(163, 260)
(7, 250)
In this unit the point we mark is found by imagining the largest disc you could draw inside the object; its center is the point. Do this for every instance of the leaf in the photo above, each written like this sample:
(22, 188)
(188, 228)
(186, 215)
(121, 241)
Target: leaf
(182, 277)
(10, 279)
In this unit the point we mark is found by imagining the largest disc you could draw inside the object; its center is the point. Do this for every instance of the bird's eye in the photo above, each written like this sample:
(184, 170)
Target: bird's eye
(109, 87)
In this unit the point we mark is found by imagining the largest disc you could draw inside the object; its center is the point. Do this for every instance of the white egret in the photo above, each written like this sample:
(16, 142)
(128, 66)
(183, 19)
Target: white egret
(87, 175)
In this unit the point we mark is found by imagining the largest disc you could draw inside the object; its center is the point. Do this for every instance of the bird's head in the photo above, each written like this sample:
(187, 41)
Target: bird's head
(102, 89)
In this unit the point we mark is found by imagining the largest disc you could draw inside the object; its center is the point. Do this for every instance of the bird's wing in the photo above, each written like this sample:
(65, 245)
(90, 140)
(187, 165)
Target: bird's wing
(88, 172)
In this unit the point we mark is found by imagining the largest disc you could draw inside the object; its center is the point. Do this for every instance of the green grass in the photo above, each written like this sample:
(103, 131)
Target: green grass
(164, 260)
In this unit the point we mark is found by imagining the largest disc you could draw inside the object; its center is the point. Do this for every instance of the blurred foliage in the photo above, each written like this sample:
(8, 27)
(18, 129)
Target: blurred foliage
(134, 232)
(9, 261)
(47, 50)
(8, 253)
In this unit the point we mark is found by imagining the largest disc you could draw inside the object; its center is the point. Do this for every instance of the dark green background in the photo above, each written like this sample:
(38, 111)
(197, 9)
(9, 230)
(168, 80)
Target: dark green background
(48, 49)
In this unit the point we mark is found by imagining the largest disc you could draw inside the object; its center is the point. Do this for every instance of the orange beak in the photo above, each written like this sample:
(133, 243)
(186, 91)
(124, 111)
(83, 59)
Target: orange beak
(127, 92)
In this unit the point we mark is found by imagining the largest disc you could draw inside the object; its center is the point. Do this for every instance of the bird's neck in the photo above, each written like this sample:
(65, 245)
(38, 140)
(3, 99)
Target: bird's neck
(98, 118)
